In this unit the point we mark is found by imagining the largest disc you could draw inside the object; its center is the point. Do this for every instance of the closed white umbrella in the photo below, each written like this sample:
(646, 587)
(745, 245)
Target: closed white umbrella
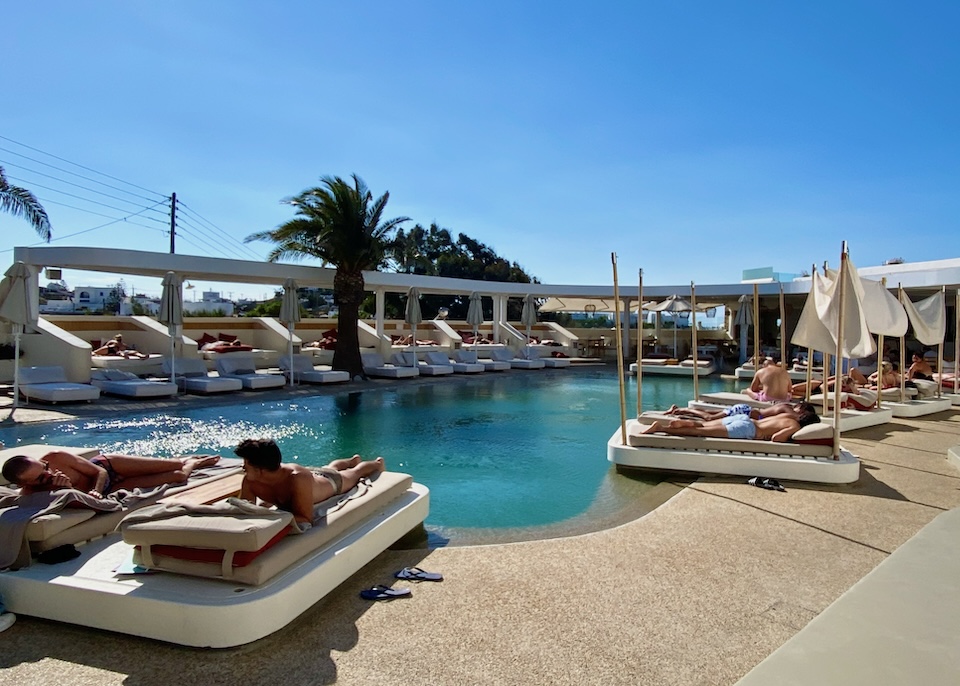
(19, 307)
(475, 315)
(744, 319)
(171, 314)
(413, 316)
(290, 315)
(528, 315)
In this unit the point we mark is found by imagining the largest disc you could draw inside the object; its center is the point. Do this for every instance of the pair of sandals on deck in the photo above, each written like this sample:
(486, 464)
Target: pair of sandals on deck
(381, 592)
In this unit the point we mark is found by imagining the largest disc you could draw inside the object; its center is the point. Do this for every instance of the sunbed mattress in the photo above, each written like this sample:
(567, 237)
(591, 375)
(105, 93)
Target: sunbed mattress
(387, 487)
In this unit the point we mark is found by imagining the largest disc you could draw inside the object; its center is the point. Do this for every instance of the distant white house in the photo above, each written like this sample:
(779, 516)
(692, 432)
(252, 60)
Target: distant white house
(210, 302)
(91, 297)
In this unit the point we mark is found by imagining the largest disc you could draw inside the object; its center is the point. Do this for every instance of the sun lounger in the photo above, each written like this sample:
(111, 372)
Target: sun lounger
(532, 353)
(425, 369)
(242, 366)
(118, 382)
(506, 355)
(304, 371)
(193, 376)
(374, 365)
(470, 357)
(50, 385)
(458, 367)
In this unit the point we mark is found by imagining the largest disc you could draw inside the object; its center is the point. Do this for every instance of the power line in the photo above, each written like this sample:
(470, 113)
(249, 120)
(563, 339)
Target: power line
(24, 145)
(80, 197)
(182, 221)
(197, 215)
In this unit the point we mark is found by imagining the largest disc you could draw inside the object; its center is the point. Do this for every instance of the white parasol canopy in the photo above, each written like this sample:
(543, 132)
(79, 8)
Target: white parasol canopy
(475, 315)
(18, 307)
(171, 314)
(290, 315)
(818, 323)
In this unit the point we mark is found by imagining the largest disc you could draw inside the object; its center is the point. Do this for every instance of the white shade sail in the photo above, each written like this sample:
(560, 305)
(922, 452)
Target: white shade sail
(928, 318)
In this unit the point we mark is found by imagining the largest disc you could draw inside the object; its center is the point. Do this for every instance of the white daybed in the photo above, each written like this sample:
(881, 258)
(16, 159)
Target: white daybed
(506, 355)
(242, 366)
(458, 367)
(795, 461)
(470, 357)
(209, 604)
(304, 372)
(50, 385)
(118, 382)
(534, 353)
(374, 365)
(151, 364)
(193, 376)
(425, 369)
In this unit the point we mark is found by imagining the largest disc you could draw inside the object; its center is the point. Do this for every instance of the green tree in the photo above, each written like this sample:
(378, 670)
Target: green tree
(22, 203)
(340, 224)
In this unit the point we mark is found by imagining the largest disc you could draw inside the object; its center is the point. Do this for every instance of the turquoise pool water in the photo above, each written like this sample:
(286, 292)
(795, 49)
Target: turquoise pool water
(499, 452)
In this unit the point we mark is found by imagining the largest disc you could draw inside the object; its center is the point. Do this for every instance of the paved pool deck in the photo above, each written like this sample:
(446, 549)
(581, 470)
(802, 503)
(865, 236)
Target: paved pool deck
(700, 591)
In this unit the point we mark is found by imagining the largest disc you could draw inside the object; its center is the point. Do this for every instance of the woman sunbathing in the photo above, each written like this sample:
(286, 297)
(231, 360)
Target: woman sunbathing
(116, 348)
(885, 378)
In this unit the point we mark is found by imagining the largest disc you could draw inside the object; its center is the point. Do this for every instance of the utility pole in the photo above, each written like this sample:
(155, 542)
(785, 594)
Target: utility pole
(173, 222)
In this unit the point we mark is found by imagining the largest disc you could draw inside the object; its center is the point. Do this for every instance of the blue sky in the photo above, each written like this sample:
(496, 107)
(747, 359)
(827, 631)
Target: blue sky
(694, 139)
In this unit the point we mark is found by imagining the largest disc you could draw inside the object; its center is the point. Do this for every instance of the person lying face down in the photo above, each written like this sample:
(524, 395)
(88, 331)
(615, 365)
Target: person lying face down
(778, 428)
(293, 487)
(100, 475)
(794, 409)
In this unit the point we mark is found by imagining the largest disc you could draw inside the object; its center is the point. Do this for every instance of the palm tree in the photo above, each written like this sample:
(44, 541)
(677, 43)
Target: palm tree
(342, 225)
(22, 203)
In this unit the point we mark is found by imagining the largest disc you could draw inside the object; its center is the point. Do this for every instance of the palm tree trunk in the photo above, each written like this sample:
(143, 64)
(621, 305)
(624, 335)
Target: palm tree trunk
(348, 295)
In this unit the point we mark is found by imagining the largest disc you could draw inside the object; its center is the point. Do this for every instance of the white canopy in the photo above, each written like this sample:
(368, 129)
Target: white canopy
(818, 324)
(928, 317)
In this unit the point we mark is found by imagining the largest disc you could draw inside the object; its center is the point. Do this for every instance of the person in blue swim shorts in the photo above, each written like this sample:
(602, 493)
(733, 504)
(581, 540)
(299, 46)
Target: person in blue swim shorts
(795, 409)
(778, 427)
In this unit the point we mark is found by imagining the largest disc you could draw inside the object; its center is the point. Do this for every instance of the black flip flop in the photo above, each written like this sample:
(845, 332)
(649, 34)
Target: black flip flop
(417, 574)
(384, 593)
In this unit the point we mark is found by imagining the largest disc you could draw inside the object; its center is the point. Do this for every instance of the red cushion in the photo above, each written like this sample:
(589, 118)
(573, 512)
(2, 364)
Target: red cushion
(204, 339)
(241, 558)
(227, 337)
(224, 347)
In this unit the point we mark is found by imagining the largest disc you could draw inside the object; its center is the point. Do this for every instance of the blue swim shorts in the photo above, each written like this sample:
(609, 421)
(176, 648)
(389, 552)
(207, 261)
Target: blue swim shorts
(739, 408)
(740, 426)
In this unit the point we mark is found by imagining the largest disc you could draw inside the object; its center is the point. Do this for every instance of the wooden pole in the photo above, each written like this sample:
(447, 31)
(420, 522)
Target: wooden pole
(783, 331)
(940, 349)
(956, 343)
(840, 322)
(903, 378)
(693, 341)
(640, 347)
(616, 312)
(756, 329)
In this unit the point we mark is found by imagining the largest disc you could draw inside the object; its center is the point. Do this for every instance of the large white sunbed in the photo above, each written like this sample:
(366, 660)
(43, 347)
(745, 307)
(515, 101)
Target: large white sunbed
(50, 385)
(506, 355)
(374, 365)
(193, 376)
(458, 367)
(243, 367)
(304, 371)
(424, 368)
(810, 462)
(129, 385)
(471, 357)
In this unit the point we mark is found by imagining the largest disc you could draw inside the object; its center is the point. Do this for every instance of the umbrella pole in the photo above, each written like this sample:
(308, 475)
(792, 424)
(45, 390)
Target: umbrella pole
(693, 341)
(640, 345)
(16, 368)
(616, 315)
(290, 351)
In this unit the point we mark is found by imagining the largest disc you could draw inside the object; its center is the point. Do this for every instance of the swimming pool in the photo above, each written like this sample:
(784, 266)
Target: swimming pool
(506, 456)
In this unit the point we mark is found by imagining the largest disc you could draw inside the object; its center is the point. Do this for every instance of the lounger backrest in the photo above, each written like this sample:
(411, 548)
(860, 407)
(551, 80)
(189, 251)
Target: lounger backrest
(112, 375)
(404, 360)
(301, 363)
(35, 375)
(501, 355)
(372, 359)
(529, 353)
(436, 358)
(466, 356)
(186, 366)
(236, 364)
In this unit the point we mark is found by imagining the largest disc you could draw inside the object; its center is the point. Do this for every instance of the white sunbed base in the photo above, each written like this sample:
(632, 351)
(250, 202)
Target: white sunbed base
(198, 612)
(674, 369)
(918, 408)
(822, 470)
(954, 398)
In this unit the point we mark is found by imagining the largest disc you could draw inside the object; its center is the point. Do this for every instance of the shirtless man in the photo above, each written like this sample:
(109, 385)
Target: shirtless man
(920, 369)
(770, 384)
(795, 409)
(99, 475)
(779, 428)
(293, 487)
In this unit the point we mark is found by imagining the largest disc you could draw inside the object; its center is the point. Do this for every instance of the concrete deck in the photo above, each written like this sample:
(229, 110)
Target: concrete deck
(698, 592)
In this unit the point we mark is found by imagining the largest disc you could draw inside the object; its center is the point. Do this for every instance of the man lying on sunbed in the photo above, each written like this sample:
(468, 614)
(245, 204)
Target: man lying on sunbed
(794, 409)
(293, 487)
(99, 475)
(778, 428)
